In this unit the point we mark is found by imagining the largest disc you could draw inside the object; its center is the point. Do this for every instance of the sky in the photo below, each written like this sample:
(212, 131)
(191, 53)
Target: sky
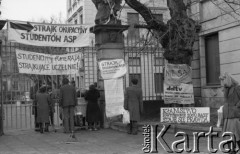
(32, 10)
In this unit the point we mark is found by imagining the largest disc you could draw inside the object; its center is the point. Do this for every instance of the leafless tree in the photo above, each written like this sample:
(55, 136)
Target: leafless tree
(178, 35)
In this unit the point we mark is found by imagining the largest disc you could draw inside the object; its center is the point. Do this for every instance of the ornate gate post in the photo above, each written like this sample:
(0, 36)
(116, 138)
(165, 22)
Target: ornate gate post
(109, 45)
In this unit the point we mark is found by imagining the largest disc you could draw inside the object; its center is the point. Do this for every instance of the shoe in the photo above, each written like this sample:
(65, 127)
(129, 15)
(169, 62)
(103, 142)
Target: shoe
(37, 129)
(46, 130)
(41, 131)
(95, 129)
(90, 129)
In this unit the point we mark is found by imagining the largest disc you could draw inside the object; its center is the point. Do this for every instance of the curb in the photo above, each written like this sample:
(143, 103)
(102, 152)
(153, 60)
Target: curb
(119, 126)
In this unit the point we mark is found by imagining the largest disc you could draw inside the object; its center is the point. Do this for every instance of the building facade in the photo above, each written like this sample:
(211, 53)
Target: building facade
(219, 47)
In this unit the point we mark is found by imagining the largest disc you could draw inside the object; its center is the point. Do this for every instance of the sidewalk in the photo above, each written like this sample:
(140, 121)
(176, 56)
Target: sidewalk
(104, 141)
(173, 129)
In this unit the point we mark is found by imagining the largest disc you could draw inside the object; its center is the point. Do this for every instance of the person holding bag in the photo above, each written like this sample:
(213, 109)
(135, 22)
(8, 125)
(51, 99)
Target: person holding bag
(134, 104)
(231, 108)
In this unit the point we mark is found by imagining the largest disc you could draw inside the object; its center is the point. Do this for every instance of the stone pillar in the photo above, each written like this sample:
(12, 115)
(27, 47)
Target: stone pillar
(109, 45)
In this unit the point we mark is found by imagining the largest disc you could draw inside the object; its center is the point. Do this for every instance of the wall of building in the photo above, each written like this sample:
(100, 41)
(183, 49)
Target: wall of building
(217, 17)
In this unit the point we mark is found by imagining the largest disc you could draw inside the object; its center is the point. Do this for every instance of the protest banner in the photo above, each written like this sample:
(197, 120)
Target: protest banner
(111, 69)
(178, 87)
(43, 34)
(182, 94)
(185, 115)
(114, 97)
(175, 74)
(46, 64)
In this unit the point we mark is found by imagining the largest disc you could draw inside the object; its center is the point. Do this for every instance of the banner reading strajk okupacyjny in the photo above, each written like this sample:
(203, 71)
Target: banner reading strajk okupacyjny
(46, 64)
(42, 34)
(112, 72)
(178, 87)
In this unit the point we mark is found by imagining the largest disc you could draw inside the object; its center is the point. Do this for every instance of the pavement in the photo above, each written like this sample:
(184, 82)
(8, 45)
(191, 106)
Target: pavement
(114, 140)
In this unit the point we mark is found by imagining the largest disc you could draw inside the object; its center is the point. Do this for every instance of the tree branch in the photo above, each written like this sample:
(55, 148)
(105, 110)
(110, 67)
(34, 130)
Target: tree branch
(146, 13)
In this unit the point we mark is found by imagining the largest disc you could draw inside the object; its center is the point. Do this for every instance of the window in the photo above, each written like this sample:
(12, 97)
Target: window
(212, 59)
(15, 85)
(158, 80)
(134, 61)
(136, 76)
(158, 61)
(75, 21)
(133, 18)
(81, 19)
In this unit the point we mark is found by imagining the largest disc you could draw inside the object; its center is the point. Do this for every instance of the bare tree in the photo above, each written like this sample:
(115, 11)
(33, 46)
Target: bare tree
(177, 36)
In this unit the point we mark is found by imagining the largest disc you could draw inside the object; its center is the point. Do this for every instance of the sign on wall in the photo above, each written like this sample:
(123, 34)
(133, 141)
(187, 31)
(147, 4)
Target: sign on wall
(42, 34)
(178, 87)
(46, 64)
(185, 115)
(111, 69)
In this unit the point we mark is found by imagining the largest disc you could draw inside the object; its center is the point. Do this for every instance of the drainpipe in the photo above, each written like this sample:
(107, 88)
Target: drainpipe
(1, 106)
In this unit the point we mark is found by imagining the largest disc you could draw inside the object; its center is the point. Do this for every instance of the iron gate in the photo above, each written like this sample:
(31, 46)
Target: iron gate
(145, 62)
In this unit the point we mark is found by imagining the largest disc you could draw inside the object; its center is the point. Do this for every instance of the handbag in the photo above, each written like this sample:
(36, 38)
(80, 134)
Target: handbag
(126, 117)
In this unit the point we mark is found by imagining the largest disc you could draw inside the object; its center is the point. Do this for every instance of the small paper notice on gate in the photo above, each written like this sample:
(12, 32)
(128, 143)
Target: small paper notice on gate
(112, 69)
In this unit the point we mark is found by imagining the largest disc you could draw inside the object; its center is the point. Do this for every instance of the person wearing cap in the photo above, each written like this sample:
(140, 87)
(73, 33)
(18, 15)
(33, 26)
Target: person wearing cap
(68, 102)
(231, 108)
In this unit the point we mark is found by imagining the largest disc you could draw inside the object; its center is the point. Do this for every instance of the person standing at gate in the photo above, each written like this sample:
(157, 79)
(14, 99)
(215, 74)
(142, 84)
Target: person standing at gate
(68, 101)
(33, 92)
(44, 103)
(93, 111)
(134, 104)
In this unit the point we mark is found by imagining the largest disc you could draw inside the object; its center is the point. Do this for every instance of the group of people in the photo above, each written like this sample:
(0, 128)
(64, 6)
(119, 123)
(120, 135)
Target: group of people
(44, 106)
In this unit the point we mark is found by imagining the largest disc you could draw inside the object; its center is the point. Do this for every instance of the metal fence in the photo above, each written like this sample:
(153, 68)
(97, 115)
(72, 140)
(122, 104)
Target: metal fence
(145, 62)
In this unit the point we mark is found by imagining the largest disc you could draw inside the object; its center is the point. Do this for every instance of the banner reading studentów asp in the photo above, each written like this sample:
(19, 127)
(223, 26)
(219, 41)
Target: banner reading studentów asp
(42, 34)
(46, 64)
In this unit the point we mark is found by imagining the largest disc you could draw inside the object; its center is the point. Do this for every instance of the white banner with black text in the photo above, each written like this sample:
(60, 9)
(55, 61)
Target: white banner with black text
(46, 64)
(43, 34)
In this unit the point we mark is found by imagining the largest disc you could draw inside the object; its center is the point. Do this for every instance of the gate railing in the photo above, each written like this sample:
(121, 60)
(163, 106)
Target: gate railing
(20, 115)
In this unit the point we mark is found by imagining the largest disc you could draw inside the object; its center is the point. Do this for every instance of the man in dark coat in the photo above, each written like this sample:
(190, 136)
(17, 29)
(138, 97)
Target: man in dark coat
(68, 101)
(134, 104)
(33, 92)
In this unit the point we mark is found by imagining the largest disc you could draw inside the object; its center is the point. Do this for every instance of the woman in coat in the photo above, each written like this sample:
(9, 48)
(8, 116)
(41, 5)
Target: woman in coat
(93, 111)
(231, 108)
(133, 102)
(44, 102)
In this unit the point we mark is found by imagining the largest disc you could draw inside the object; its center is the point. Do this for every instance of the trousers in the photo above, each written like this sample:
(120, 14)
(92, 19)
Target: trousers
(68, 119)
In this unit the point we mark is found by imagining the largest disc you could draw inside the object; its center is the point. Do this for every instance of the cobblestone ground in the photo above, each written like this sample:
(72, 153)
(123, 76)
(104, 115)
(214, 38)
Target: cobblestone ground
(105, 141)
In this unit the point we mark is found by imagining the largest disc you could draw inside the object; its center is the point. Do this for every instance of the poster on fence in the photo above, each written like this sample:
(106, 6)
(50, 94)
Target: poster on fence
(112, 69)
(46, 64)
(43, 34)
(178, 87)
(114, 97)
(185, 115)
